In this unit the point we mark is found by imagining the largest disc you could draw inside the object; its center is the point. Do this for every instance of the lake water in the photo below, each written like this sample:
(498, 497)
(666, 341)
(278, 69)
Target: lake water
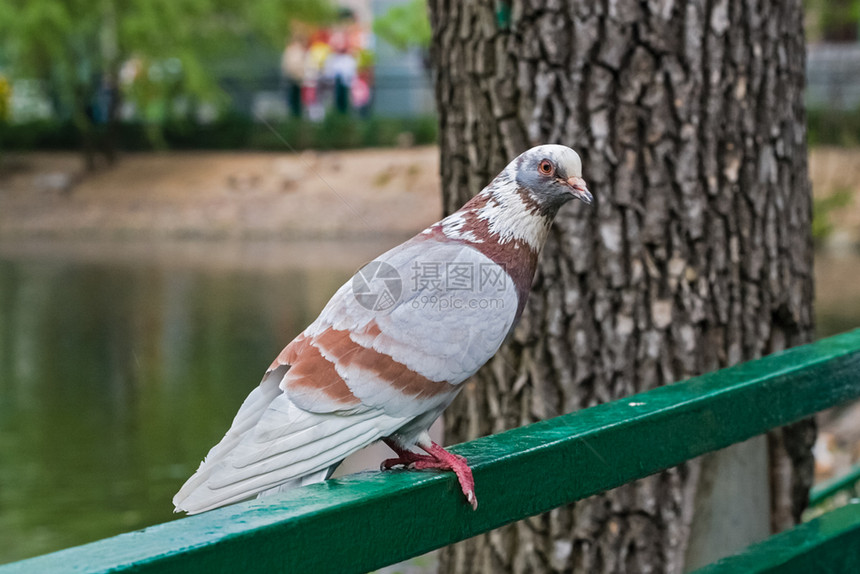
(117, 373)
(120, 367)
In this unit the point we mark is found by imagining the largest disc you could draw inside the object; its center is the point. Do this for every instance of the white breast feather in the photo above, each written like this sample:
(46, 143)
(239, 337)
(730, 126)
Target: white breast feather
(511, 219)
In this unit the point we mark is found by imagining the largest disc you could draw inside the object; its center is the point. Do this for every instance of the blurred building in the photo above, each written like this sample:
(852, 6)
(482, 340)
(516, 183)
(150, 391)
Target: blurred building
(833, 54)
(403, 86)
(833, 76)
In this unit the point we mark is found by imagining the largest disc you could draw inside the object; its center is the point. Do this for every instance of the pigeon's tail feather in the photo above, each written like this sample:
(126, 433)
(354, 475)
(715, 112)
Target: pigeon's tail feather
(274, 445)
(313, 478)
(249, 415)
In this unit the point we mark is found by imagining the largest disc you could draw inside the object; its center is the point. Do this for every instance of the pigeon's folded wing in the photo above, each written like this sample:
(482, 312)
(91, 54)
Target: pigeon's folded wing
(410, 358)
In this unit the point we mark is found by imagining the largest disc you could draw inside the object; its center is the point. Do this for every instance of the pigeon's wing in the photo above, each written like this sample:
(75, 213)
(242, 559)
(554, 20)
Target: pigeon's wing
(452, 308)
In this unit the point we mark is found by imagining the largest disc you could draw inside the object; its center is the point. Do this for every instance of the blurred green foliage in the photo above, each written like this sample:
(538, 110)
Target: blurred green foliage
(832, 20)
(5, 97)
(234, 131)
(832, 126)
(824, 207)
(405, 26)
(79, 47)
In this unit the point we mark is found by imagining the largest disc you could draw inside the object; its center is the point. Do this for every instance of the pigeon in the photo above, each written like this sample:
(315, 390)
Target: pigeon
(393, 346)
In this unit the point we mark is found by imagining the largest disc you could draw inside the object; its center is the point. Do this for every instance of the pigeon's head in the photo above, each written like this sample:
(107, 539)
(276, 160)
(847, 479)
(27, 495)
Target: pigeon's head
(552, 174)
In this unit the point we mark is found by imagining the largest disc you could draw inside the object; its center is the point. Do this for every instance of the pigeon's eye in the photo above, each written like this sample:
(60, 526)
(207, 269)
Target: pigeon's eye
(546, 167)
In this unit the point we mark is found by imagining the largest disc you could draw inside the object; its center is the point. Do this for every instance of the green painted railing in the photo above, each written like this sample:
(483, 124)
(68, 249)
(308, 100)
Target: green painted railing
(829, 543)
(850, 481)
(365, 521)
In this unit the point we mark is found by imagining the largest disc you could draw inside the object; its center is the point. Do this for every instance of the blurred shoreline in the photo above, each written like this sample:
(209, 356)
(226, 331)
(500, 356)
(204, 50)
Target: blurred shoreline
(256, 198)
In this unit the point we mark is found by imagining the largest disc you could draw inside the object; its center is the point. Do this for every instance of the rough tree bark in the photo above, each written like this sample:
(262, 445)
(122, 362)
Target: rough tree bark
(696, 255)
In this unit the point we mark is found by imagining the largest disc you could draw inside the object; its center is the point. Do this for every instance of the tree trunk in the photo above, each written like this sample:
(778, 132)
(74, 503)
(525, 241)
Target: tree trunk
(696, 255)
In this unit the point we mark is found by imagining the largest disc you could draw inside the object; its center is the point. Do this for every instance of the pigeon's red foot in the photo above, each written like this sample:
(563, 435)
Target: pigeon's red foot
(436, 457)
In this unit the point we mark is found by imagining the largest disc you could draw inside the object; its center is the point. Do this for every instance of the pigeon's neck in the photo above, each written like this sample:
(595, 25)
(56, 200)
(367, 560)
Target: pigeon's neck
(503, 213)
(505, 224)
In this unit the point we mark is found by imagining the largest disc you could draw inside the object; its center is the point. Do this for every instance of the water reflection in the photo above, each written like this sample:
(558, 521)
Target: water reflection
(115, 379)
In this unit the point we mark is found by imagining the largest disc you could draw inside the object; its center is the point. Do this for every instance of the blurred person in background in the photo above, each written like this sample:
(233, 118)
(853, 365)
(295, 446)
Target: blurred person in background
(313, 87)
(292, 72)
(340, 69)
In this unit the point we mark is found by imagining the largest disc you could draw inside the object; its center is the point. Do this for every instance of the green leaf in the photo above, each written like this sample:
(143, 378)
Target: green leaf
(405, 26)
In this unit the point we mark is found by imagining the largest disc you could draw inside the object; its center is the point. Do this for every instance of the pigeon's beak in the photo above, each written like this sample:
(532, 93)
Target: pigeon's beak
(578, 189)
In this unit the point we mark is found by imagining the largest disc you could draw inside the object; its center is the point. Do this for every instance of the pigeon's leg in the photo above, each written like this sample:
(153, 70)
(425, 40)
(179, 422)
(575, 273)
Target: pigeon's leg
(436, 457)
(404, 457)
